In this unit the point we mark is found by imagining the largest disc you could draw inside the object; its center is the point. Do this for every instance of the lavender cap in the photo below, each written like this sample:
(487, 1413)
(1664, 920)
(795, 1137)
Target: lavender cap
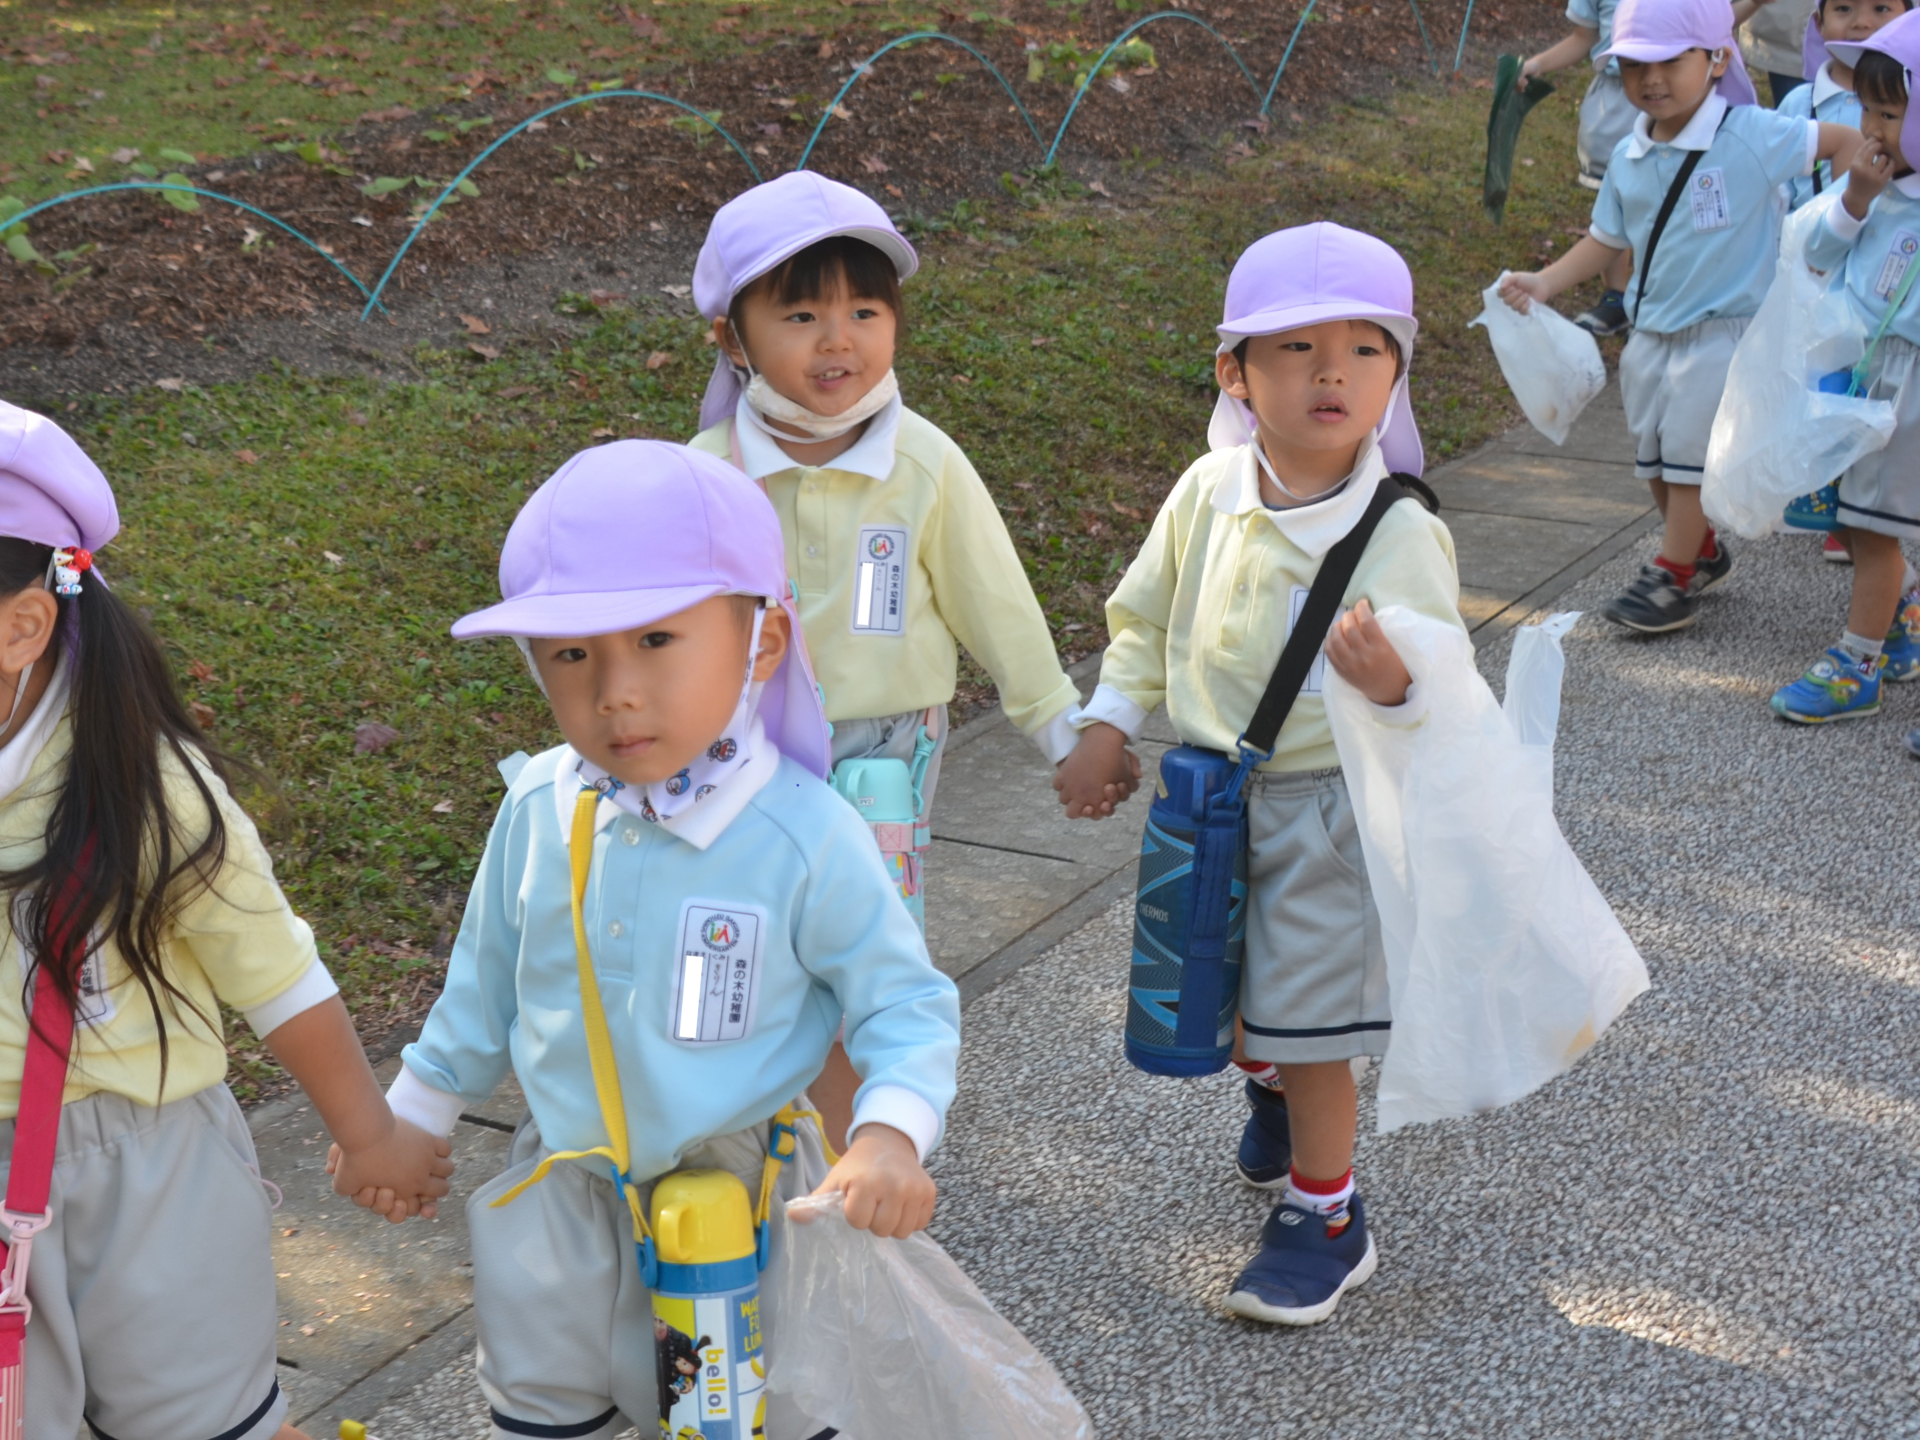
(759, 228)
(1653, 30)
(1901, 40)
(635, 531)
(50, 492)
(1311, 274)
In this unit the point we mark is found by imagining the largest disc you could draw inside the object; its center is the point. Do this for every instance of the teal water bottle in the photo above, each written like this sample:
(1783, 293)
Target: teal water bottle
(887, 793)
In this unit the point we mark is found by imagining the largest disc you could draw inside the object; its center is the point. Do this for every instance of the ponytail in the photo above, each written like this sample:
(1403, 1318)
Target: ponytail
(115, 849)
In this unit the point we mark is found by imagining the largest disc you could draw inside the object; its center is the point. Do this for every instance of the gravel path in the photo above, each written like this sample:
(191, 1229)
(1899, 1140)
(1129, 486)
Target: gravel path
(1706, 1229)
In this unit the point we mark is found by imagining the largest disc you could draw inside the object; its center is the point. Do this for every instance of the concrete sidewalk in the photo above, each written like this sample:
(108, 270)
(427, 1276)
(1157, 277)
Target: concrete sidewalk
(369, 1312)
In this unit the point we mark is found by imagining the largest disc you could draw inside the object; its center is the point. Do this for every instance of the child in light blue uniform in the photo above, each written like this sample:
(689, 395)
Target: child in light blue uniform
(1828, 95)
(1698, 285)
(683, 854)
(1873, 237)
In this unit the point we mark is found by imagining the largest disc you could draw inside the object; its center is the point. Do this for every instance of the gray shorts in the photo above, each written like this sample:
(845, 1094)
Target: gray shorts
(153, 1308)
(892, 737)
(565, 1324)
(1882, 491)
(1671, 387)
(1314, 987)
(1606, 118)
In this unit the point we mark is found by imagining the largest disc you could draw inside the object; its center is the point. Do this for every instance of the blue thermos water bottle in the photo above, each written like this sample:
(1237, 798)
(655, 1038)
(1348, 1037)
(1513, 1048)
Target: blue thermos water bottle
(1189, 918)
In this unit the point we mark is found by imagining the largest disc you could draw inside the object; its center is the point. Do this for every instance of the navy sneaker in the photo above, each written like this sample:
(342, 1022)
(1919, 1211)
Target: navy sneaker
(1655, 602)
(1609, 317)
(1710, 570)
(1266, 1145)
(1301, 1272)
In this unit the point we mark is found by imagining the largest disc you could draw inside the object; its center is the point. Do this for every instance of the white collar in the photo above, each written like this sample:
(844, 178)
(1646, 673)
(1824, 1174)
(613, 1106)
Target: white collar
(1697, 134)
(1315, 528)
(871, 455)
(700, 826)
(1825, 87)
(19, 753)
(1908, 185)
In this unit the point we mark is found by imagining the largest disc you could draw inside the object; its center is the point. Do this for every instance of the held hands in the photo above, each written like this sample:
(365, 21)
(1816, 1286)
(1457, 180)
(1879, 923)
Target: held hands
(1867, 176)
(403, 1173)
(1099, 774)
(885, 1187)
(1359, 649)
(1523, 287)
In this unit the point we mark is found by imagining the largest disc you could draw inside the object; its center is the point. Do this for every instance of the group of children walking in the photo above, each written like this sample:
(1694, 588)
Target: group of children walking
(1692, 200)
(687, 944)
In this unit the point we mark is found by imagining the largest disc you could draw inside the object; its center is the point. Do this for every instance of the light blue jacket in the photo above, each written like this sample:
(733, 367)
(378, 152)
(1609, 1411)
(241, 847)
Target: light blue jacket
(1821, 98)
(1875, 254)
(788, 915)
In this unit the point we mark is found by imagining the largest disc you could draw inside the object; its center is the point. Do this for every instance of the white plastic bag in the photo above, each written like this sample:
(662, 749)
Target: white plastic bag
(1775, 436)
(1552, 366)
(882, 1338)
(1504, 962)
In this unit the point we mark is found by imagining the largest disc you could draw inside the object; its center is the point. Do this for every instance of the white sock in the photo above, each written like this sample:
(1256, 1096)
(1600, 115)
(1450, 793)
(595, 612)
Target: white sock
(1863, 650)
(1320, 1200)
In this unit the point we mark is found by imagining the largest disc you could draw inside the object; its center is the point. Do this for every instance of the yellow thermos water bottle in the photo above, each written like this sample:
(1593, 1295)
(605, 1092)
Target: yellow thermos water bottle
(706, 1308)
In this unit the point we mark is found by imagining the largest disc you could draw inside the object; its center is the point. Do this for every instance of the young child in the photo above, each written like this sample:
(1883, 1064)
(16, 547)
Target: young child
(672, 915)
(1698, 284)
(1828, 95)
(1313, 415)
(1870, 237)
(151, 1289)
(896, 549)
(1606, 118)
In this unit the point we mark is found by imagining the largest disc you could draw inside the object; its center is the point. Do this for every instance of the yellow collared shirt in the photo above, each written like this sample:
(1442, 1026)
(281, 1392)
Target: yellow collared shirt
(898, 560)
(235, 941)
(1200, 617)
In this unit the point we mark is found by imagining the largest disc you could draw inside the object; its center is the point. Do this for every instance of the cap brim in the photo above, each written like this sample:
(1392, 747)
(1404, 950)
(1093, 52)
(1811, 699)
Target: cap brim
(894, 246)
(1401, 326)
(600, 613)
(1848, 53)
(1649, 52)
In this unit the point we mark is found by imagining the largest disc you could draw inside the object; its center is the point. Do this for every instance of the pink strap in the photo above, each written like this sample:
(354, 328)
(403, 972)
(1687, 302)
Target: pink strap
(739, 461)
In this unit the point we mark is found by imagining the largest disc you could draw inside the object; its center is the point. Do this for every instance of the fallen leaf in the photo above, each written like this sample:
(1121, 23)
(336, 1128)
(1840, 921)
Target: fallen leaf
(475, 325)
(840, 112)
(896, 192)
(82, 165)
(485, 352)
(371, 737)
(1042, 340)
(601, 432)
(173, 384)
(125, 155)
(1097, 188)
(246, 457)
(386, 116)
(58, 157)
(1119, 84)
(366, 220)
(679, 292)
(875, 165)
(202, 714)
(1076, 625)
(333, 558)
(201, 671)
(772, 127)
(825, 52)
(445, 807)
(306, 1330)
(606, 297)
(354, 417)
(963, 379)
(1258, 124)
(514, 392)
(250, 237)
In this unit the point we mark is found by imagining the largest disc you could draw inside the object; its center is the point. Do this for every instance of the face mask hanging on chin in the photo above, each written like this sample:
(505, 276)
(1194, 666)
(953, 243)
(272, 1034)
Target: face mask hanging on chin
(769, 404)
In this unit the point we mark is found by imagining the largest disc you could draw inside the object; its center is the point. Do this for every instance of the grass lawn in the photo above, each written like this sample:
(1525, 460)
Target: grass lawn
(304, 543)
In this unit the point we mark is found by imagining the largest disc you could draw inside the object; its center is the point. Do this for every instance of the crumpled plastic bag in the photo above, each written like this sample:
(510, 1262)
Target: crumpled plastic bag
(1552, 366)
(1504, 962)
(1776, 435)
(882, 1338)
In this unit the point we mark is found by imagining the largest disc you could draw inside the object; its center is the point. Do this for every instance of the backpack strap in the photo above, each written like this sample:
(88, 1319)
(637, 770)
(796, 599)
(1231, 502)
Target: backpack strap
(1674, 191)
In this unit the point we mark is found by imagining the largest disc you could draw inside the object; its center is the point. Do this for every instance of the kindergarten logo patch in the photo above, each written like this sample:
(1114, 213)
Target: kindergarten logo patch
(722, 932)
(718, 982)
(880, 581)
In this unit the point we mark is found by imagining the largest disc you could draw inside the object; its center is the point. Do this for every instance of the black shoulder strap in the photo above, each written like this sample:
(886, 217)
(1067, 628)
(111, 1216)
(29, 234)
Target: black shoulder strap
(1320, 611)
(1674, 191)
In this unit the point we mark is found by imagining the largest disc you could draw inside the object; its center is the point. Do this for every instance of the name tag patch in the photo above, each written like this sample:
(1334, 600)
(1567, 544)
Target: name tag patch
(1708, 192)
(718, 984)
(95, 1005)
(880, 581)
(1893, 269)
(1317, 676)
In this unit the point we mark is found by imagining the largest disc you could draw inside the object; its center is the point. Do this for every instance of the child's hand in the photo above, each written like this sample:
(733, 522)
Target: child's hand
(402, 1174)
(886, 1189)
(1359, 649)
(1523, 287)
(1099, 774)
(1867, 176)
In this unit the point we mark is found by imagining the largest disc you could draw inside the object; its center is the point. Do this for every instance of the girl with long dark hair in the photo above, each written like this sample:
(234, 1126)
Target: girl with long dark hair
(138, 897)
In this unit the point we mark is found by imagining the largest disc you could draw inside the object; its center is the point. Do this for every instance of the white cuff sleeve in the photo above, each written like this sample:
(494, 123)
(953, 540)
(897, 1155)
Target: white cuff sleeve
(1611, 241)
(1058, 736)
(1109, 705)
(314, 986)
(901, 1108)
(413, 1100)
(1842, 223)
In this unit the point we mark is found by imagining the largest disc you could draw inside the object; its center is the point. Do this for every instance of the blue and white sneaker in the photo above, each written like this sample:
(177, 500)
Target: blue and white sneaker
(1266, 1145)
(1835, 687)
(1903, 642)
(1301, 1271)
(1818, 511)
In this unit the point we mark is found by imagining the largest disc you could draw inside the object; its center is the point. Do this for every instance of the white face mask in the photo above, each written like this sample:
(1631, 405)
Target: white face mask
(770, 404)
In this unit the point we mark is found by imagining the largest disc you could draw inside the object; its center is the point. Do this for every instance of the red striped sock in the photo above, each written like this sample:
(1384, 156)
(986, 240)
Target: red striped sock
(1322, 1197)
(1261, 1072)
(1682, 574)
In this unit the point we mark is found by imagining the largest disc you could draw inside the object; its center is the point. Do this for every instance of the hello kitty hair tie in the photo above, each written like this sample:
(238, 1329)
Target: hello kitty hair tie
(67, 565)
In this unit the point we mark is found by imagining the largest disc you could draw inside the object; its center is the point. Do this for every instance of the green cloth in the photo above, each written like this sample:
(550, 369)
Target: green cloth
(1510, 106)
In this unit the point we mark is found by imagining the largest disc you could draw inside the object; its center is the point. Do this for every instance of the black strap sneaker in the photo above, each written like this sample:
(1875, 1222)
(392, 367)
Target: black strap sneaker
(1710, 570)
(1609, 317)
(1654, 603)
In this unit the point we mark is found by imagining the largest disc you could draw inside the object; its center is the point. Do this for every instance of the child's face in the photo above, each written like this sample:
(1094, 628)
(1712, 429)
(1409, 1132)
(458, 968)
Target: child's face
(1671, 89)
(642, 704)
(825, 353)
(1857, 19)
(1882, 122)
(1319, 388)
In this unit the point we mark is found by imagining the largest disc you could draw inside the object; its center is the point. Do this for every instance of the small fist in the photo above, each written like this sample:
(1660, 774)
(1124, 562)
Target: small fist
(1359, 649)
(1522, 288)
